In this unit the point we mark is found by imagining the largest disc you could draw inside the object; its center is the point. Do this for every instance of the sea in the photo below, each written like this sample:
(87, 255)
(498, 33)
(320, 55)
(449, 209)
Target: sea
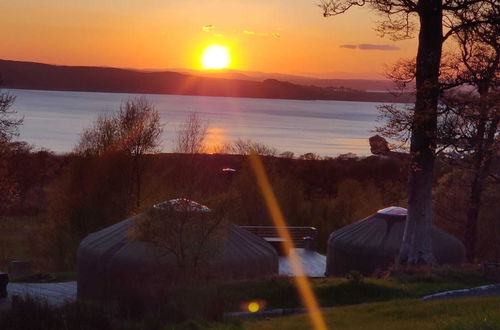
(54, 120)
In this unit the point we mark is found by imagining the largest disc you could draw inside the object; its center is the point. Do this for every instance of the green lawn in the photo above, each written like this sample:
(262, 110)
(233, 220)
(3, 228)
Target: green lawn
(281, 292)
(463, 314)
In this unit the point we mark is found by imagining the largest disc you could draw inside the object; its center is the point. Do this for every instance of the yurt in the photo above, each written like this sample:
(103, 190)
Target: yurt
(112, 264)
(374, 242)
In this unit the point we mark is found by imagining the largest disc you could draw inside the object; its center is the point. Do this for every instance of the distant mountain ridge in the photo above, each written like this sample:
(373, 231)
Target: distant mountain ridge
(31, 75)
(378, 85)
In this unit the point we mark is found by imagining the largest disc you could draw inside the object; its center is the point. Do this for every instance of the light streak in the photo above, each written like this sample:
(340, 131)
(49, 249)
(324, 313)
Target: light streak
(300, 279)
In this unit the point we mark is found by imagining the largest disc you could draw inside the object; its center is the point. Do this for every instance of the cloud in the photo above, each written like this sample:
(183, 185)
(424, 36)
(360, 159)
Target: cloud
(262, 34)
(371, 47)
(349, 46)
(208, 28)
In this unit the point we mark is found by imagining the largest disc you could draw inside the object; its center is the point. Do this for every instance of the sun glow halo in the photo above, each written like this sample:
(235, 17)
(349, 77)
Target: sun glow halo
(215, 57)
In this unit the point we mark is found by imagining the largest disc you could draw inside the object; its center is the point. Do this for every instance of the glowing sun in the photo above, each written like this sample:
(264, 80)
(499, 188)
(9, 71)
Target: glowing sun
(215, 57)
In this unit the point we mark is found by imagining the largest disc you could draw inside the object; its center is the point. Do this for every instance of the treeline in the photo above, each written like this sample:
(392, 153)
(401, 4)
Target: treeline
(75, 195)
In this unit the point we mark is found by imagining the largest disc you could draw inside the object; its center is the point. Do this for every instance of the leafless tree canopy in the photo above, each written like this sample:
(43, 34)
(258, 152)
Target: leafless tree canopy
(135, 129)
(247, 147)
(188, 235)
(9, 126)
(399, 19)
(191, 135)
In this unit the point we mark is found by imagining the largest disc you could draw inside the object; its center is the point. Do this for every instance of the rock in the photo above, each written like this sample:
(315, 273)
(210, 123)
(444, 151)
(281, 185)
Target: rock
(379, 145)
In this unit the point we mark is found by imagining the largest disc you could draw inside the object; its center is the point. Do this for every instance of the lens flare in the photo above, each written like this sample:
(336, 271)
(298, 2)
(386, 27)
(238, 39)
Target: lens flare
(301, 281)
(253, 307)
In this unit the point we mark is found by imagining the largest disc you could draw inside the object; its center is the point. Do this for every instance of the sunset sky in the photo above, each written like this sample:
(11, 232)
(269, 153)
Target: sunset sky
(285, 36)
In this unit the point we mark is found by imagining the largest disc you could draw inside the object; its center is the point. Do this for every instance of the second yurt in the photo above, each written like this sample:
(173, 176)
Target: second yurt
(374, 242)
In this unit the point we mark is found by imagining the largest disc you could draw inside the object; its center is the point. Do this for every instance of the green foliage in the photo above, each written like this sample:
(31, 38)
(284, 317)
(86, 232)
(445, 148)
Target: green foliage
(354, 276)
(16, 239)
(355, 201)
(451, 202)
(471, 276)
(90, 195)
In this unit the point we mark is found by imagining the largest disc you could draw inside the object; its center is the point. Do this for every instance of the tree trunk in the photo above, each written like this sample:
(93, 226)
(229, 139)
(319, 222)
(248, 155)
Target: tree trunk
(417, 245)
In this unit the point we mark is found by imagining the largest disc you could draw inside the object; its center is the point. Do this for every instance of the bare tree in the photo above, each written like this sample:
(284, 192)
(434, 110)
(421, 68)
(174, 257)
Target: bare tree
(101, 137)
(182, 229)
(135, 131)
(9, 127)
(400, 21)
(247, 147)
(191, 135)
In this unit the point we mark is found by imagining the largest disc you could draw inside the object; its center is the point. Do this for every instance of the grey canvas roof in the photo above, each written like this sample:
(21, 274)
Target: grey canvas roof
(373, 243)
(110, 263)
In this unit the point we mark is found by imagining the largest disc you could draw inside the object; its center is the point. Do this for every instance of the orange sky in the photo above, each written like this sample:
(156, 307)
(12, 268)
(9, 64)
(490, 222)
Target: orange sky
(286, 36)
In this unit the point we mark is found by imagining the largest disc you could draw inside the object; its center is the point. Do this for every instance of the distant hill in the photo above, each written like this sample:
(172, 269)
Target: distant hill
(30, 75)
(378, 85)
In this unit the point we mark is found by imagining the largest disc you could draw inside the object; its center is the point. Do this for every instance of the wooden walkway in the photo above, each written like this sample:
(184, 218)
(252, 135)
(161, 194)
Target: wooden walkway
(313, 263)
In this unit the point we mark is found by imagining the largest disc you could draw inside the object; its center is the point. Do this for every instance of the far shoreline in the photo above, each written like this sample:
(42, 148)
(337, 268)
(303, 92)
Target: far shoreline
(215, 96)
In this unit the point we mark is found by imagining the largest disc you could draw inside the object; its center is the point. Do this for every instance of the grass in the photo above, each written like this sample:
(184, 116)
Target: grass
(280, 292)
(466, 314)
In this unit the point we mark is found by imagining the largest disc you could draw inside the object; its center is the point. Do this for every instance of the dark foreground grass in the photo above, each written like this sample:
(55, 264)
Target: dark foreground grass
(466, 314)
(29, 313)
(369, 304)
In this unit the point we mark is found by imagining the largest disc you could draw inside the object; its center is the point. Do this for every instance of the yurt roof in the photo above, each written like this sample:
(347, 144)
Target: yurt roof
(381, 234)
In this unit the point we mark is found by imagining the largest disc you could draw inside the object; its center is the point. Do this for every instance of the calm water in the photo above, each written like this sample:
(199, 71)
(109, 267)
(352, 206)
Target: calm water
(54, 120)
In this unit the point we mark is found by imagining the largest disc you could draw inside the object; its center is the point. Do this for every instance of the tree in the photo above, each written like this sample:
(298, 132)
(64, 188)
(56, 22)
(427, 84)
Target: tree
(135, 131)
(479, 119)
(191, 135)
(9, 127)
(247, 147)
(468, 120)
(432, 15)
(182, 229)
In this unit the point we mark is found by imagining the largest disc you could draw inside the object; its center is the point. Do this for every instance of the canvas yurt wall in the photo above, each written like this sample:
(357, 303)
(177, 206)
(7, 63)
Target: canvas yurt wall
(372, 244)
(112, 265)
